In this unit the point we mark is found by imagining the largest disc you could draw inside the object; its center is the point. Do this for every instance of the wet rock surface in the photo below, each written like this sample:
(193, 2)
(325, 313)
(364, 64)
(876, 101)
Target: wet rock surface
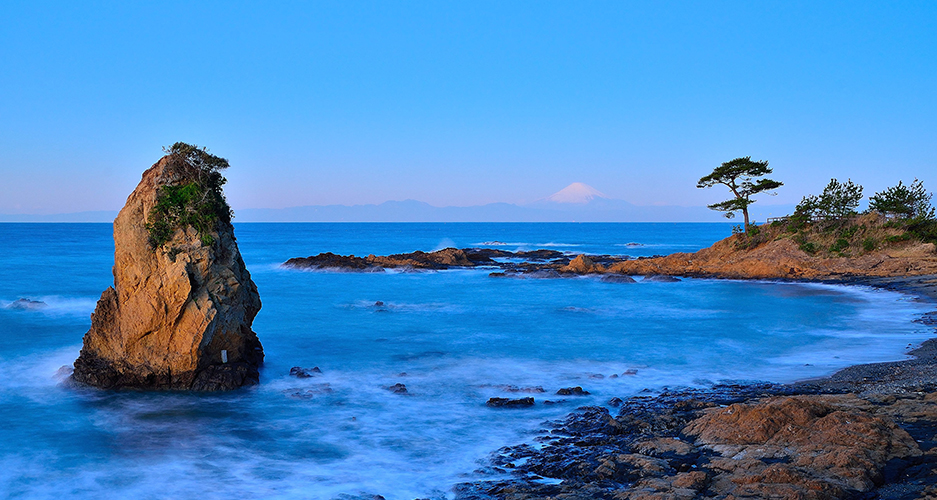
(440, 259)
(660, 278)
(618, 278)
(572, 391)
(532, 264)
(300, 372)
(510, 403)
(398, 389)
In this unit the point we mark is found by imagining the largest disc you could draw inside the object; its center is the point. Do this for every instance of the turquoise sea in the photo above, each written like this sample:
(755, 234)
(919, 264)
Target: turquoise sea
(454, 338)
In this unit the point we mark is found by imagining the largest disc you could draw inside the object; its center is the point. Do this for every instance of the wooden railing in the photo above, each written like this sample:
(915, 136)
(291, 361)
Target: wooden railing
(815, 218)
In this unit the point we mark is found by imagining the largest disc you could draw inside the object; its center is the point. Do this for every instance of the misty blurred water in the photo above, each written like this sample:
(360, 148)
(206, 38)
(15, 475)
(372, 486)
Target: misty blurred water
(455, 338)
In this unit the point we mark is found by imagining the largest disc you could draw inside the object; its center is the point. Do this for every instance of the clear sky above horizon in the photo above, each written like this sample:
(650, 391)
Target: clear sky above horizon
(461, 104)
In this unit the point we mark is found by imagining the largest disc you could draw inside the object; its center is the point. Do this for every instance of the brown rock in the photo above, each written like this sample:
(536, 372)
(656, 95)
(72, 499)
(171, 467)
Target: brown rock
(695, 480)
(582, 265)
(660, 446)
(178, 316)
(440, 259)
(828, 447)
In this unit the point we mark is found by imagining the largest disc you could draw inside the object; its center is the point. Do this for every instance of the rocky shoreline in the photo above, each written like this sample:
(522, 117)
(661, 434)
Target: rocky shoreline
(868, 431)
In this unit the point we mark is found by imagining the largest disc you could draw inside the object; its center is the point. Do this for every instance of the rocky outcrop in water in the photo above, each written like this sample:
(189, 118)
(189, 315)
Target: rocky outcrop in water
(179, 315)
(533, 263)
(440, 259)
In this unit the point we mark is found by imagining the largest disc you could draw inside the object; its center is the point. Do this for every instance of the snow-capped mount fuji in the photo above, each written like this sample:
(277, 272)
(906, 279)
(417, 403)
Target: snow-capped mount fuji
(576, 193)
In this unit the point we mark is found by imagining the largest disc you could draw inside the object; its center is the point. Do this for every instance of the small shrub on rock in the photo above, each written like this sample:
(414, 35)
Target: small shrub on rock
(905, 202)
(839, 245)
(196, 200)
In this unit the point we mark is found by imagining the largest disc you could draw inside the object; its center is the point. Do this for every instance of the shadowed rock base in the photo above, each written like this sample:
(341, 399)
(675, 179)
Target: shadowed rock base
(98, 372)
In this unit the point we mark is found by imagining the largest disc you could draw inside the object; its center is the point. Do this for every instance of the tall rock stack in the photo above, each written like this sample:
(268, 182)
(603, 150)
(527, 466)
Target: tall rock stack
(179, 314)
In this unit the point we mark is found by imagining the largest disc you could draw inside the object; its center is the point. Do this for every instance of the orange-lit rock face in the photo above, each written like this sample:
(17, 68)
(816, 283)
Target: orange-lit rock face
(174, 312)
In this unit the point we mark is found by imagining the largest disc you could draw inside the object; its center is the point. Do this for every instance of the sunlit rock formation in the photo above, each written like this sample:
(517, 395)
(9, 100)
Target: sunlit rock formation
(179, 314)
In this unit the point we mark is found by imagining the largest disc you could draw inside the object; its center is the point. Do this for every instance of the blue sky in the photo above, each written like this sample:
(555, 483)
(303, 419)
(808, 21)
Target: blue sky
(462, 103)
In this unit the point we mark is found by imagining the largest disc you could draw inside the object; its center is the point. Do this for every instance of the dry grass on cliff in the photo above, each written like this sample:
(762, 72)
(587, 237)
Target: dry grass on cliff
(851, 237)
(868, 245)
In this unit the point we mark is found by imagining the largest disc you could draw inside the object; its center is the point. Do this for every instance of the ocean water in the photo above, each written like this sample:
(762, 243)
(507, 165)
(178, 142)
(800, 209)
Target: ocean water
(454, 338)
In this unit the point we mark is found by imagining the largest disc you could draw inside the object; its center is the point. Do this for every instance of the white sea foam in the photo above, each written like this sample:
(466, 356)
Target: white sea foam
(525, 245)
(54, 305)
(444, 243)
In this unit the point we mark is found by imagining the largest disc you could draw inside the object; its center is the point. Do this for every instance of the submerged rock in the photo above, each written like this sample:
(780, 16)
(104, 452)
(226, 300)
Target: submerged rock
(300, 372)
(572, 391)
(660, 278)
(529, 389)
(26, 304)
(618, 278)
(179, 314)
(398, 389)
(510, 403)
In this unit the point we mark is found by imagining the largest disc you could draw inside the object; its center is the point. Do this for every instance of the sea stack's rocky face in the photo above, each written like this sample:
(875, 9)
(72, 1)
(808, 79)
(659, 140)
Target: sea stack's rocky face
(179, 315)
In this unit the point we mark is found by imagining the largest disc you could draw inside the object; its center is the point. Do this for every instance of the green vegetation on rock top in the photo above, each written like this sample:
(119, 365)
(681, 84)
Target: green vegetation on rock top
(195, 199)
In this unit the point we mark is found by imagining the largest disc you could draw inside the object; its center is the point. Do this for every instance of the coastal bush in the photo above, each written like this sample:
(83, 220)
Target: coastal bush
(905, 202)
(839, 245)
(850, 231)
(808, 247)
(752, 238)
(924, 230)
(869, 244)
(173, 252)
(897, 238)
(838, 200)
(196, 200)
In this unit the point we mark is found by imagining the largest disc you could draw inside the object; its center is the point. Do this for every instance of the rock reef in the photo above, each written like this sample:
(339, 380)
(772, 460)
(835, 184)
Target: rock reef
(524, 262)
(179, 314)
(874, 248)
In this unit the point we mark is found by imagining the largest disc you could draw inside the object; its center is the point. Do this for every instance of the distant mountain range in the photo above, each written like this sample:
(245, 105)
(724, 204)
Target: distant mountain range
(577, 202)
